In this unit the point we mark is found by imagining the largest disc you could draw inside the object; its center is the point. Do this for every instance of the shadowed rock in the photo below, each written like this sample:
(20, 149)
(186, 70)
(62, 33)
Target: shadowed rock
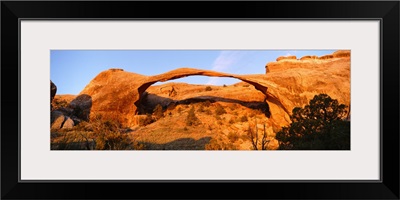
(53, 91)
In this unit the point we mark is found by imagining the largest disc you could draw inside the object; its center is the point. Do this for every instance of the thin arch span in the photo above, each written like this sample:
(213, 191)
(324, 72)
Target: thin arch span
(185, 72)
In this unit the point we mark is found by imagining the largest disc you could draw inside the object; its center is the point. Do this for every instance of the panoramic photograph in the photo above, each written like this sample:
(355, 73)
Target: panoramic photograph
(200, 99)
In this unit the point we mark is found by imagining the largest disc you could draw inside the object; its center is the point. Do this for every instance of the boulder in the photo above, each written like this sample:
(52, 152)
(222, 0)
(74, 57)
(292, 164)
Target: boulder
(57, 119)
(68, 123)
(81, 106)
(53, 90)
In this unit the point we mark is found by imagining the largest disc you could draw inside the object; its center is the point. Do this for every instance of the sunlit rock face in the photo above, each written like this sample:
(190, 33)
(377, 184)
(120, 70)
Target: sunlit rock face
(289, 82)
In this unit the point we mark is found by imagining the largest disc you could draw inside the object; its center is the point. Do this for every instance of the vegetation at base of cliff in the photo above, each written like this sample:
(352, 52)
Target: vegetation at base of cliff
(191, 119)
(318, 126)
(158, 112)
(97, 134)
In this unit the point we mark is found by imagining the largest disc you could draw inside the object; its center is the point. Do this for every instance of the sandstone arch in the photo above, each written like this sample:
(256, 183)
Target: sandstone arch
(117, 93)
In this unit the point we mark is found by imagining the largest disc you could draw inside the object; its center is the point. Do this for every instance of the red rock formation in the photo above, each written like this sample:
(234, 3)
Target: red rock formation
(309, 58)
(326, 57)
(286, 58)
(341, 53)
(117, 94)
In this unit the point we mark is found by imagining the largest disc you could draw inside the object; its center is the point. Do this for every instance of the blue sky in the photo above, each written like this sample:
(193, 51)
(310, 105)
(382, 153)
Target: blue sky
(72, 70)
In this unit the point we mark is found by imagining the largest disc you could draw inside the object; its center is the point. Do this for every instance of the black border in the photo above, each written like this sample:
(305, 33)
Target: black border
(387, 11)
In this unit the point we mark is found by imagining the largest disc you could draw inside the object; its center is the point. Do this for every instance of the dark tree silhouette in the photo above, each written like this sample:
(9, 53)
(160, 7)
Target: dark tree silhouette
(318, 126)
(255, 138)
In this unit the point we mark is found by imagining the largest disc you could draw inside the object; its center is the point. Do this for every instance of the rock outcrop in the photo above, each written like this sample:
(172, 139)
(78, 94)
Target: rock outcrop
(53, 91)
(286, 58)
(295, 82)
(57, 120)
(60, 121)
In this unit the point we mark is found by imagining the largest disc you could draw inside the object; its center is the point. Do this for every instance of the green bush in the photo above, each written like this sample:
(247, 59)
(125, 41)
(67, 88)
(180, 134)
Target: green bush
(320, 125)
(220, 110)
(191, 118)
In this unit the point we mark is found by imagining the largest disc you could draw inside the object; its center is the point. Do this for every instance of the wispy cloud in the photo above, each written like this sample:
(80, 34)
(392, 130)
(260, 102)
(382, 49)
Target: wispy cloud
(224, 63)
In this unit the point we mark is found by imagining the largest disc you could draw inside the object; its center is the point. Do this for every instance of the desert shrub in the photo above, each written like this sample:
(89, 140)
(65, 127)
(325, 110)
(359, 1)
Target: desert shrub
(191, 118)
(207, 103)
(208, 88)
(216, 144)
(232, 121)
(251, 114)
(256, 112)
(158, 112)
(101, 133)
(84, 126)
(233, 107)
(171, 106)
(224, 85)
(219, 110)
(179, 109)
(146, 121)
(258, 141)
(109, 135)
(113, 140)
(320, 125)
(233, 136)
(201, 108)
(243, 118)
(59, 104)
(72, 140)
(185, 129)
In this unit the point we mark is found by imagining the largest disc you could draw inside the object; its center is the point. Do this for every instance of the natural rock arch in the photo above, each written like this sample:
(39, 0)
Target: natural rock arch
(185, 72)
(117, 94)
